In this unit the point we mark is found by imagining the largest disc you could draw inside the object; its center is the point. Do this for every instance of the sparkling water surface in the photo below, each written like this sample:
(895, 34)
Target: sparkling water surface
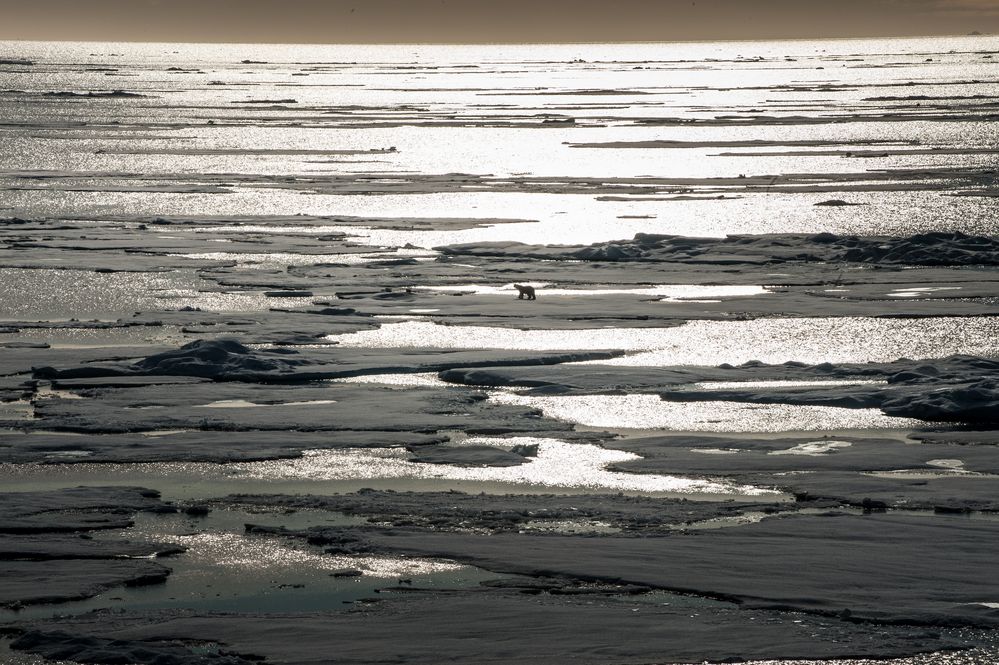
(583, 143)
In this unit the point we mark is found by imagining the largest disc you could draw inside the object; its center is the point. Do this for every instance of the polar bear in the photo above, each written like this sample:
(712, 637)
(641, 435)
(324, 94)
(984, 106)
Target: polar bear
(525, 290)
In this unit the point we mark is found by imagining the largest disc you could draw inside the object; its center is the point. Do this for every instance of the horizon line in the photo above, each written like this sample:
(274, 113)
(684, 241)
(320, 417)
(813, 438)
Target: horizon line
(503, 43)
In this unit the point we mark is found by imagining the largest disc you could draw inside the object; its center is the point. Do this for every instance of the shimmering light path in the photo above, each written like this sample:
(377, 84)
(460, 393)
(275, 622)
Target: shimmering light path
(809, 340)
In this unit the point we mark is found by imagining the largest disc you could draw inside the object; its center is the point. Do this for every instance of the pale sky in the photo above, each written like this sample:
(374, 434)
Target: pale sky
(478, 21)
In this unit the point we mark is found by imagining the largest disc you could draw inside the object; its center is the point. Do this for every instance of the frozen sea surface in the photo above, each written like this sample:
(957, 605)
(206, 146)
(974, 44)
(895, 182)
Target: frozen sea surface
(156, 194)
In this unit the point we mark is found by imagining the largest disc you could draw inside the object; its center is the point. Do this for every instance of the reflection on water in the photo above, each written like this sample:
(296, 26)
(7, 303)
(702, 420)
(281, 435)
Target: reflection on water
(750, 517)
(225, 569)
(813, 448)
(920, 291)
(419, 380)
(99, 337)
(650, 412)
(246, 404)
(281, 260)
(558, 464)
(980, 656)
(666, 292)
(254, 555)
(559, 467)
(737, 385)
(682, 92)
(51, 294)
(809, 340)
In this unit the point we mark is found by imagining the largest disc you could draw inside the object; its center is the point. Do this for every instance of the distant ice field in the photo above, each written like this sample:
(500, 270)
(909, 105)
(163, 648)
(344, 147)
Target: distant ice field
(548, 133)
